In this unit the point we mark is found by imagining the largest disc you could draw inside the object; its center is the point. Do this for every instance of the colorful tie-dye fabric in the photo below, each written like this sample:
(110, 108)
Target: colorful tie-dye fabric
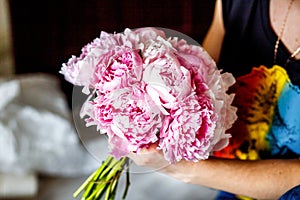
(268, 122)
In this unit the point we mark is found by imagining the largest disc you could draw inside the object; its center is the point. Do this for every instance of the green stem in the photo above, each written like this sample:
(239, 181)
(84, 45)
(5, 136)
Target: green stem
(105, 178)
(93, 176)
(118, 167)
(127, 180)
(87, 181)
(109, 167)
(115, 182)
(97, 176)
(96, 193)
(100, 190)
(108, 191)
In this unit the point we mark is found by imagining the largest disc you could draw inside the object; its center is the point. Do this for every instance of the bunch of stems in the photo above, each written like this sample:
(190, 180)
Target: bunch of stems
(104, 180)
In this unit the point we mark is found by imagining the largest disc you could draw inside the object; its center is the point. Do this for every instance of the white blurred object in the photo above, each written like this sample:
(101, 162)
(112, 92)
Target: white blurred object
(37, 136)
(13, 186)
(36, 130)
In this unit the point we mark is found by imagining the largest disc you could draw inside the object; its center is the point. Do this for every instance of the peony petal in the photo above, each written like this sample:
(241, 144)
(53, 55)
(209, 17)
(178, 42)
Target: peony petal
(154, 94)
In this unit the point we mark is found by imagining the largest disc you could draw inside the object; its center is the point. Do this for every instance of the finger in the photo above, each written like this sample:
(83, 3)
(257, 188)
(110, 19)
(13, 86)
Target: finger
(148, 149)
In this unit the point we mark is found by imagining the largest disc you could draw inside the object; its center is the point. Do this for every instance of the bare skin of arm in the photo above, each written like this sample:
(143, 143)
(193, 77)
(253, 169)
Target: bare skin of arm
(263, 179)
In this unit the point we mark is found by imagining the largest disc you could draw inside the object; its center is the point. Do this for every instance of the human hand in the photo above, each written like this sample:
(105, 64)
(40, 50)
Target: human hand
(153, 158)
(150, 157)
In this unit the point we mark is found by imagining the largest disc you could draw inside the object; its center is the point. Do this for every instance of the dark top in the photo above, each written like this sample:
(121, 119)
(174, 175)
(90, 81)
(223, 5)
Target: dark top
(249, 40)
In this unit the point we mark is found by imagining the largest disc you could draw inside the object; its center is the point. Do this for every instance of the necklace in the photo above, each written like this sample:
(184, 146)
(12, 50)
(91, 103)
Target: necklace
(280, 35)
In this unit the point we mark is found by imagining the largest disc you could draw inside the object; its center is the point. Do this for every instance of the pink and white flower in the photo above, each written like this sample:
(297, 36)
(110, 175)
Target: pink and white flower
(118, 68)
(148, 88)
(189, 129)
(136, 120)
(167, 82)
(80, 70)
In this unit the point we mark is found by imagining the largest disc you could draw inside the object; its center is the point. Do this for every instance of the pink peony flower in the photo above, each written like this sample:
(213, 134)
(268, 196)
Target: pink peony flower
(80, 70)
(209, 81)
(136, 120)
(140, 37)
(193, 54)
(189, 129)
(147, 88)
(156, 49)
(144, 83)
(118, 68)
(152, 43)
(167, 82)
(102, 112)
(148, 33)
(218, 85)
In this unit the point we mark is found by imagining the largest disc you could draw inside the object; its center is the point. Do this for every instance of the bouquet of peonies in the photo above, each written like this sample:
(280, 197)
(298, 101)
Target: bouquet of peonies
(143, 88)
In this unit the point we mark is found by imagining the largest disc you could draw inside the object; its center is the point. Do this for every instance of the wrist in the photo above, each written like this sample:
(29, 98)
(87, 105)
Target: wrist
(185, 171)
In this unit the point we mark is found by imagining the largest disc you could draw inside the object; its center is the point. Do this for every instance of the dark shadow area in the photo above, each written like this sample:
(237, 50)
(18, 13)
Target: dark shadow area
(46, 33)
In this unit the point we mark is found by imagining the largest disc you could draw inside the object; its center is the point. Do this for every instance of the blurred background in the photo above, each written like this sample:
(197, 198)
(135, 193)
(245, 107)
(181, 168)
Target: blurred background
(36, 37)
(6, 50)
(46, 33)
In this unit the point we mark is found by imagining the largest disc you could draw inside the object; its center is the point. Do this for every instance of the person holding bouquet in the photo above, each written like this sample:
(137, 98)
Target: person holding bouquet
(258, 41)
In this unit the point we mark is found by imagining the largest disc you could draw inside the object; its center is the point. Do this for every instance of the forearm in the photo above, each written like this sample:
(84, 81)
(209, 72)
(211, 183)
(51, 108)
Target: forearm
(265, 179)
